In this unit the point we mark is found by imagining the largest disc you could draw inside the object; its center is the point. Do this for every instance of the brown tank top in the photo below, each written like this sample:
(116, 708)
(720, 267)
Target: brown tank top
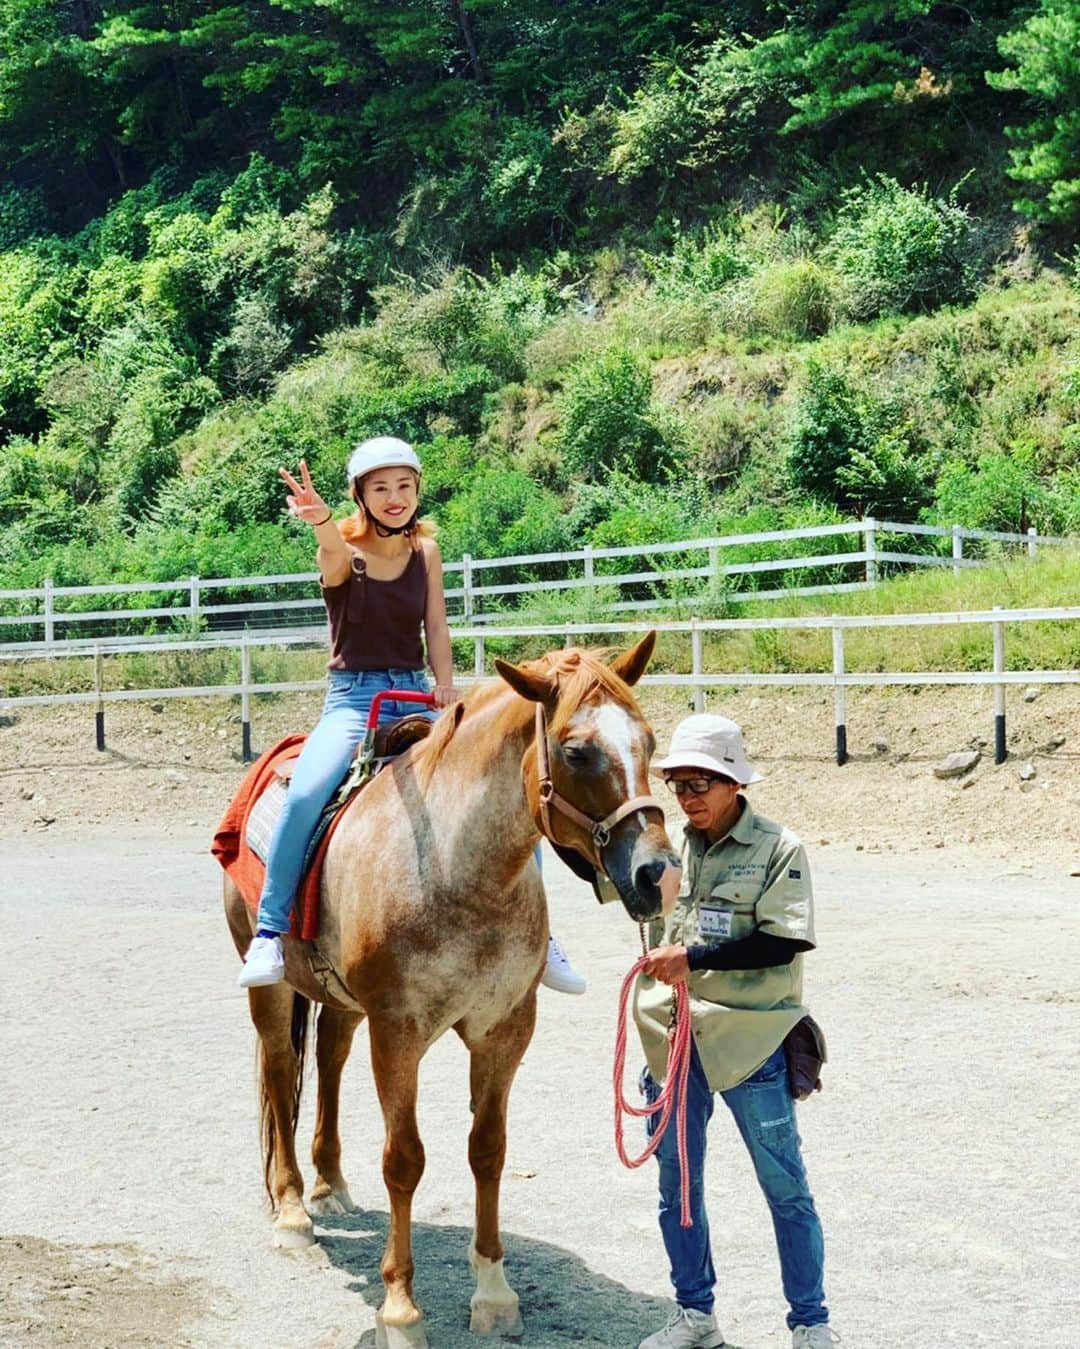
(375, 625)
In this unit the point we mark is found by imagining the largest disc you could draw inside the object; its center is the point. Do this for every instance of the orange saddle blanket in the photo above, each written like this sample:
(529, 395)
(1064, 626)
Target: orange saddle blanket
(232, 844)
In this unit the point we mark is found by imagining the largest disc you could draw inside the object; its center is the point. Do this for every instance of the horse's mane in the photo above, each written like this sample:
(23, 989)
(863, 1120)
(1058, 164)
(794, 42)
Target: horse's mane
(578, 676)
(427, 753)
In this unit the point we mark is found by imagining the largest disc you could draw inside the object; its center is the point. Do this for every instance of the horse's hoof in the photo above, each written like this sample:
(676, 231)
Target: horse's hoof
(411, 1336)
(294, 1236)
(496, 1318)
(332, 1204)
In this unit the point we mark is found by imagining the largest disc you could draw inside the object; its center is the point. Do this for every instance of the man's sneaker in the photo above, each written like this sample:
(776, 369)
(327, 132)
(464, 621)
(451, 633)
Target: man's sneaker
(559, 974)
(687, 1329)
(814, 1337)
(263, 964)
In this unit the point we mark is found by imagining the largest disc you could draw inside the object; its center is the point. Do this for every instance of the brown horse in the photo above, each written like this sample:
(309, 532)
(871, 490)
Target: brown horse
(433, 917)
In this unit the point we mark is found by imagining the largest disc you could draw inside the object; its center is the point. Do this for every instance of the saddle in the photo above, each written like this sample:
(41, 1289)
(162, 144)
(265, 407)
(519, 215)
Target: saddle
(242, 839)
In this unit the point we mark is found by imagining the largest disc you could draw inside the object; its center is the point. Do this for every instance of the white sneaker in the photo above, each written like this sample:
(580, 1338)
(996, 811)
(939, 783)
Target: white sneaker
(559, 974)
(263, 964)
(814, 1337)
(687, 1329)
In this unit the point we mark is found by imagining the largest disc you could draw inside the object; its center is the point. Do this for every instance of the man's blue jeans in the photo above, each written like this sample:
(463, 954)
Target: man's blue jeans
(765, 1114)
(322, 764)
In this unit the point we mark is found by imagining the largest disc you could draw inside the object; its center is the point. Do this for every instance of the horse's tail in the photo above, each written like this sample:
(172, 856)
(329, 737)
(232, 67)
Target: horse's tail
(298, 1033)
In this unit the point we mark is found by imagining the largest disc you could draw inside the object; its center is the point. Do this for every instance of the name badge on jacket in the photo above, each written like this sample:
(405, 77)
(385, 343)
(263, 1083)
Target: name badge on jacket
(715, 922)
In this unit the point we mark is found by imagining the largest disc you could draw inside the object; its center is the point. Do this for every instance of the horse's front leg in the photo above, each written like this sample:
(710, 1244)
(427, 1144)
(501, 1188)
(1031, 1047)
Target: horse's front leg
(395, 1060)
(330, 1194)
(495, 1060)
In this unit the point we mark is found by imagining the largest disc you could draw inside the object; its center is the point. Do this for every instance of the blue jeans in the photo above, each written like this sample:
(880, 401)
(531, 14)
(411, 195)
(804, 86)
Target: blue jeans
(322, 764)
(764, 1112)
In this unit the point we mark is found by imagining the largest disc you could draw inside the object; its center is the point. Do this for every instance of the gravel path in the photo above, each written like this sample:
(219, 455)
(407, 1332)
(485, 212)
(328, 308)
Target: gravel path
(942, 1152)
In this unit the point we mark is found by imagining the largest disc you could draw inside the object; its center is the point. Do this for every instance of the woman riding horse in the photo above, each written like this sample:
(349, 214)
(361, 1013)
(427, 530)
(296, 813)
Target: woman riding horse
(381, 576)
(433, 916)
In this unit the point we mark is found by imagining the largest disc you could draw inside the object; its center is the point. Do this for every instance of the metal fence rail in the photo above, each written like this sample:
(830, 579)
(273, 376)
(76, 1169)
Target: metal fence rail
(51, 616)
(838, 678)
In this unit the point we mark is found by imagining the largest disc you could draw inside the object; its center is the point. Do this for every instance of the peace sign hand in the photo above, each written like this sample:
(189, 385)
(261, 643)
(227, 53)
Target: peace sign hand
(303, 500)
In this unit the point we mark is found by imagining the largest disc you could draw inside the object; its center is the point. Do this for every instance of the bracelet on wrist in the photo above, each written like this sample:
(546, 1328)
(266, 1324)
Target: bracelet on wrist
(324, 521)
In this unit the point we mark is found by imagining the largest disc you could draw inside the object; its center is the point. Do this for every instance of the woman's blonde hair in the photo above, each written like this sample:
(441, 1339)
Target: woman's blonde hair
(355, 528)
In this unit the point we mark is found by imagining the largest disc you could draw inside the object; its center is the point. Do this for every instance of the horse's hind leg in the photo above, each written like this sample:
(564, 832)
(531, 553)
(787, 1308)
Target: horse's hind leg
(330, 1194)
(280, 1017)
(495, 1060)
(395, 1060)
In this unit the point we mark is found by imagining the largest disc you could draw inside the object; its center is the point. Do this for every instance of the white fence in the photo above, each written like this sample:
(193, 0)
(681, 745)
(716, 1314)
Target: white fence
(52, 615)
(838, 678)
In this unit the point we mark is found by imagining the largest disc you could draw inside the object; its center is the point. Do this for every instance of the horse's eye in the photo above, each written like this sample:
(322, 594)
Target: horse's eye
(575, 754)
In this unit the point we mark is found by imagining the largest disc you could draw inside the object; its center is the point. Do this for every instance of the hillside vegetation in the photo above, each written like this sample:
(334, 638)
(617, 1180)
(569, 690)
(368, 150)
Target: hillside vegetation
(624, 274)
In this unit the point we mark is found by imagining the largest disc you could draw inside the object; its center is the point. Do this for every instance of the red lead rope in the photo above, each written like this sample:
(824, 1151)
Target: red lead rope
(673, 1092)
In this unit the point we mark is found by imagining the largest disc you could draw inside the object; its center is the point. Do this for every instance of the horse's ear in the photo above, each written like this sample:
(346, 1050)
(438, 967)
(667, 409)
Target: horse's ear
(631, 665)
(531, 684)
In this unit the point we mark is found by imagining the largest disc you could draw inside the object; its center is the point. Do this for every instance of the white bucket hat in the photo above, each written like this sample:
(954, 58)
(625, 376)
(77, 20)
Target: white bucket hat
(381, 452)
(712, 743)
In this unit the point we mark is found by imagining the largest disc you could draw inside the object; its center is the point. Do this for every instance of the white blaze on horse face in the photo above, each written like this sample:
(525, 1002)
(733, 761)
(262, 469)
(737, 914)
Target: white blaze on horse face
(617, 733)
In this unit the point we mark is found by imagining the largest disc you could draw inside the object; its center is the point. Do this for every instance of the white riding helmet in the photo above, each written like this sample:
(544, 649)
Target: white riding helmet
(381, 452)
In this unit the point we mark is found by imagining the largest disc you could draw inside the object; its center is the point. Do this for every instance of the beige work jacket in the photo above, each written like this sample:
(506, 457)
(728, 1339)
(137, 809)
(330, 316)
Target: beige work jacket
(757, 876)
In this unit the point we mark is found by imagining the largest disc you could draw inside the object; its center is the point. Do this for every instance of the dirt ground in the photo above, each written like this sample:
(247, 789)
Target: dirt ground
(170, 765)
(942, 1152)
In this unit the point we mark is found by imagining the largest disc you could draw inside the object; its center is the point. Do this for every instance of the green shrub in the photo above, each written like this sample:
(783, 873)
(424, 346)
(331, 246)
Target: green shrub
(448, 462)
(850, 449)
(23, 215)
(181, 279)
(411, 409)
(721, 434)
(793, 299)
(608, 420)
(647, 513)
(255, 348)
(525, 182)
(709, 114)
(501, 512)
(699, 262)
(459, 318)
(37, 303)
(901, 250)
(1002, 491)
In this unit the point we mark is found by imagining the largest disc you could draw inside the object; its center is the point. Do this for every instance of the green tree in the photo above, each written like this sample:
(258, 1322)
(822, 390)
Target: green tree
(1045, 53)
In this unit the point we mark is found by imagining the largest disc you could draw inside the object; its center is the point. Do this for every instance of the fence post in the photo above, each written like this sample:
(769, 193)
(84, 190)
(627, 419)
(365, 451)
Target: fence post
(245, 701)
(47, 609)
(870, 534)
(1032, 544)
(714, 570)
(589, 574)
(840, 692)
(957, 548)
(193, 605)
(1000, 752)
(466, 584)
(695, 664)
(478, 656)
(99, 686)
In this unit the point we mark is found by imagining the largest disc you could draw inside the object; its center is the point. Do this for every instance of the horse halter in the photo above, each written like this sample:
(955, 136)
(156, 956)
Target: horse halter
(598, 830)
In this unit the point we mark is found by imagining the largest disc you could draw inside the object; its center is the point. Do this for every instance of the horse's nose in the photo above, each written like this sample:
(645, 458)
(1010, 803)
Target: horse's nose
(647, 876)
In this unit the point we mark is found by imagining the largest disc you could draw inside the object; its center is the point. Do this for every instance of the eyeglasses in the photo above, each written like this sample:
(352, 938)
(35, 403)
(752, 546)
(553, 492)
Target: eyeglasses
(695, 786)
